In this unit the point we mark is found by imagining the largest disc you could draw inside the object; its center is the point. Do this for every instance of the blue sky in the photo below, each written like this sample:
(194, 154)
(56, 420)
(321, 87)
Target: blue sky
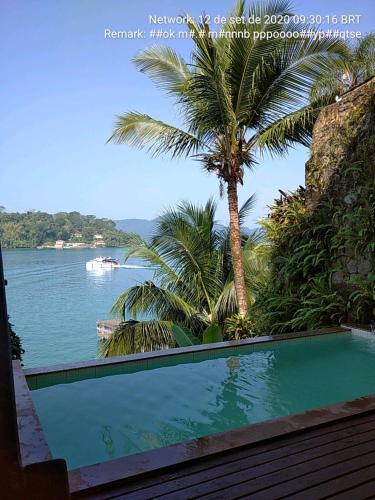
(63, 84)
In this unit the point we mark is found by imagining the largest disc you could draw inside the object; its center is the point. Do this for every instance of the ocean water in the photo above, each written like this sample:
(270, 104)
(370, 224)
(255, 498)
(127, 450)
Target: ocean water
(54, 302)
(122, 414)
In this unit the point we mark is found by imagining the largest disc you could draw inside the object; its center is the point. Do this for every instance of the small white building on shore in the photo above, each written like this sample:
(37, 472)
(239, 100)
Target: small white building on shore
(60, 243)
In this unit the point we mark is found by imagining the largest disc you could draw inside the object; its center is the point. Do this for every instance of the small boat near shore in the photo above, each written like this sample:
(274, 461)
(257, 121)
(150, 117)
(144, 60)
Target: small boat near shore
(110, 263)
(102, 263)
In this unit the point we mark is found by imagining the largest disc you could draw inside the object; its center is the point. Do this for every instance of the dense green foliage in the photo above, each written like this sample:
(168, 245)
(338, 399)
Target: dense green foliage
(16, 344)
(192, 291)
(322, 256)
(306, 251)
(32, 229)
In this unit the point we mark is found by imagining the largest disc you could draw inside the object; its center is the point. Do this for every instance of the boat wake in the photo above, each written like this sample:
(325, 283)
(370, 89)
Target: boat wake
(109, 263)
(134, 266)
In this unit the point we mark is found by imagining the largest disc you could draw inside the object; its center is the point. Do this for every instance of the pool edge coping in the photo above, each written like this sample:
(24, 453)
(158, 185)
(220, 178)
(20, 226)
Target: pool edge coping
(175, 351)
(33, 443)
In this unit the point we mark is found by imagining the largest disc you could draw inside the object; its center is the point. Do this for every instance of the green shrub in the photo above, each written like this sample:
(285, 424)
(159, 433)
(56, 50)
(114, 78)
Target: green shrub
(238, 327)
(306, 252)
(16, 344)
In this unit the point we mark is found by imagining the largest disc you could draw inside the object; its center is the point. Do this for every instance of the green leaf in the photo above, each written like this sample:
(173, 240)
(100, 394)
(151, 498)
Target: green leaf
(184, 337)
(142, 131)
(137, 336)
(212, 333)
(165, 67)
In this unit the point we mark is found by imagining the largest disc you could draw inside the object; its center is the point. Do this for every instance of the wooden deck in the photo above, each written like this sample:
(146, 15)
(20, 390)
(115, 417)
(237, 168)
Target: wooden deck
(336, 460)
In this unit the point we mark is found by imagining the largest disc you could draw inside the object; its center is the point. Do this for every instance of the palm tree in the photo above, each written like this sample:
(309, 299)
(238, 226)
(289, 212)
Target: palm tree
(192, 290)
(355, 68)
(237, 95)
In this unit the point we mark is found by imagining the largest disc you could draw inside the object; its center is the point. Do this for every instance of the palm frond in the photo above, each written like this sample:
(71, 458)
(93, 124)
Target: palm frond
(140, 249)
(285, 79)
(329, 85)
(142, 131)
(256, 268)
(133, 336)
(187, 240)
(364, 58)
(246, 209)
(254, 238)
(165, 67)
(208, 100)
(357, 65)
(226, 304)
(288, 130)
(247, 54)
(149, 299)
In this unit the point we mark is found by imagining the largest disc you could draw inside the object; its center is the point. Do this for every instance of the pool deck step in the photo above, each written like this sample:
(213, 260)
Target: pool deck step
(335, 460)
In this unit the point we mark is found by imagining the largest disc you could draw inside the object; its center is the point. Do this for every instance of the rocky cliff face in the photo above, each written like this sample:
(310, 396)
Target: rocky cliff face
(322, 252)
(341, 172)
(343, 135)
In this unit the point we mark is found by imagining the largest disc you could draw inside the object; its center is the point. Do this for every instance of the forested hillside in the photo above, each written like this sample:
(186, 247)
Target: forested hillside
(32, 229)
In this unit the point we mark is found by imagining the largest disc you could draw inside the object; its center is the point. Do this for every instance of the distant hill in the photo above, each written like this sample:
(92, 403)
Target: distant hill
(146, 228)
(34, 228)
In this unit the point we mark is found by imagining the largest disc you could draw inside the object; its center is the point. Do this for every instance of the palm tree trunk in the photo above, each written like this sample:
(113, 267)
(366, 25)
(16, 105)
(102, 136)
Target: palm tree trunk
(236, 249)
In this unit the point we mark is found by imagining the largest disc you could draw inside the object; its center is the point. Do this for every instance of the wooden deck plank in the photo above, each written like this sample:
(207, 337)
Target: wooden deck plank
(283, 446)
(271, 483)
(260, 464)
(302, 462)
(303, 480)
(363, 491)
(340, 485)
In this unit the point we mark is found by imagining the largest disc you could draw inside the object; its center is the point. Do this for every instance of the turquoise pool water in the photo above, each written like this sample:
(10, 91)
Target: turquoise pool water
(99, 419)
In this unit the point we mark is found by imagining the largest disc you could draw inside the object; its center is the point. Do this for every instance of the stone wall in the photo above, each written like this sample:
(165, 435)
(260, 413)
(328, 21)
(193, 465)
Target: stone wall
(339, 129)
(342, 163)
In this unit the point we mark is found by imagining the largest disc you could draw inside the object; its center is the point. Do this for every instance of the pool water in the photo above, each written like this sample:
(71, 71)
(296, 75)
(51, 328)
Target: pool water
(100, 419)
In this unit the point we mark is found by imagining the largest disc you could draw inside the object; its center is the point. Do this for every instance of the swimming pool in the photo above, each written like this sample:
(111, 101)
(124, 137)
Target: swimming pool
(137, 407)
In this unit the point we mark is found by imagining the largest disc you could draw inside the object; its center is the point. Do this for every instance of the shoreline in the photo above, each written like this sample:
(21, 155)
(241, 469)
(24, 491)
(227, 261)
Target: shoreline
(85, 247)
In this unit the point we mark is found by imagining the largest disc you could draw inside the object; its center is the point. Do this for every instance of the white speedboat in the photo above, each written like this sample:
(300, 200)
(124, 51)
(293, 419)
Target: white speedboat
(102, 263)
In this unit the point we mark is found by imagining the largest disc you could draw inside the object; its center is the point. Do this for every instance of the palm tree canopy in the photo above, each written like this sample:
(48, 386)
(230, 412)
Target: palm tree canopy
(355, 68)
(192, 286)
(243, 91)
(236, 92)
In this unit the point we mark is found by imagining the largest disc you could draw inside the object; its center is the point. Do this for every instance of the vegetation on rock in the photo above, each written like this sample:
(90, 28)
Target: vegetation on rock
(309, 255)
